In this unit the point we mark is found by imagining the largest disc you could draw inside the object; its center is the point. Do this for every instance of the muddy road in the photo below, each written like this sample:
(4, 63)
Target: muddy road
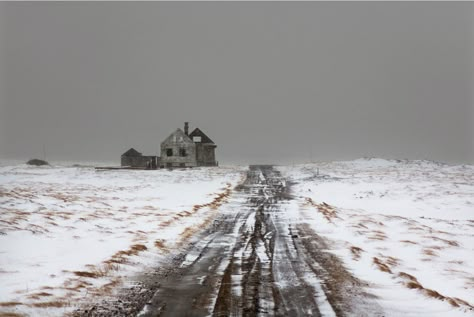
(258, 258)
(256, 261)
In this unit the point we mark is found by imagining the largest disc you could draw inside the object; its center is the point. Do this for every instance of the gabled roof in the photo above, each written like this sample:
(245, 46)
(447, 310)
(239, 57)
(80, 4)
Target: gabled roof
(177, 136)
(204, 137)
(132, 152)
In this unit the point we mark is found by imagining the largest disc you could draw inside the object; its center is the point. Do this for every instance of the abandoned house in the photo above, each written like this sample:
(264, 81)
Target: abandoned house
(180, 149)
(184, 149)
(133, 158)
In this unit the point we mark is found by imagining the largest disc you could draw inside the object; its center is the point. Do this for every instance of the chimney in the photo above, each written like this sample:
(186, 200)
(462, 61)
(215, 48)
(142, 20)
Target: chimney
(186, 128)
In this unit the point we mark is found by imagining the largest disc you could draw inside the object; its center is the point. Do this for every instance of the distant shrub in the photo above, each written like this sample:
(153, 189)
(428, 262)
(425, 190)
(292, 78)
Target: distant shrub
(37, 162)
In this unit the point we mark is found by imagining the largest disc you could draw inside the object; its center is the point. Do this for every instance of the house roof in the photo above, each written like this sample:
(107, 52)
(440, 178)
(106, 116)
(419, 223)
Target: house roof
(204, 137)
(132, 152)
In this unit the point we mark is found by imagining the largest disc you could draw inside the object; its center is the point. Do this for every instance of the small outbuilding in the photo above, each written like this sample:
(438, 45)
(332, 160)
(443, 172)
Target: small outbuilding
(133, 158)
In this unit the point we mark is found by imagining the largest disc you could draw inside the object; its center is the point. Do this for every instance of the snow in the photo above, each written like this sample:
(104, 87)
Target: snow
(71, 233)
(396, 222)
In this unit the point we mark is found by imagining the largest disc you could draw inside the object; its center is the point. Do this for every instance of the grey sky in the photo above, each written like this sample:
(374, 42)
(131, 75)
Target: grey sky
(268, 82)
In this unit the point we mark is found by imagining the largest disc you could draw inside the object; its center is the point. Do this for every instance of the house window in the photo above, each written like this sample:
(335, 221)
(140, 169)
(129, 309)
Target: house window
(182, 152)
(196, 139)
(182, 165)
(169, 152)
(169, 165)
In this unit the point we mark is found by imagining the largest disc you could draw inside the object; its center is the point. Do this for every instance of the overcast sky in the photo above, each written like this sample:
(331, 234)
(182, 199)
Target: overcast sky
(269, 82)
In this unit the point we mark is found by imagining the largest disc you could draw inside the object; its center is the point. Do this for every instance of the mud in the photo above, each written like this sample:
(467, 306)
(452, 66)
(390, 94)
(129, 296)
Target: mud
(250, 262)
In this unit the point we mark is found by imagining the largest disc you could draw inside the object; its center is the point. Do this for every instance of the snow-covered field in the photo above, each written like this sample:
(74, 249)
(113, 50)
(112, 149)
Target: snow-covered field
(404, 227)
(69, 234)
(72, 234)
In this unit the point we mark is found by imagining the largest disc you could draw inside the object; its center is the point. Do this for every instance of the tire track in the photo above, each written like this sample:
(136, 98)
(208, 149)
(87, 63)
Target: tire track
(257, 262)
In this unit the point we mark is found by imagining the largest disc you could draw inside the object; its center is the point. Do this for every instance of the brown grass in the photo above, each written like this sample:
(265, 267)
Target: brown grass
(429, 252)
(160, 244)
(86, 274)
(448, 242)
(52, 304)
(213, 205)
(10, 304)
(378, 235)
(361, 225)
(78, 286)
(408, 241)
(412, 283)
(390, 260)
(9, 314)
(356, 252)
(408, 276)
(107, 288)
(98, 271)
(382, 266)
(328, 211)
(39, 295)
(120, 257)
(187, 233)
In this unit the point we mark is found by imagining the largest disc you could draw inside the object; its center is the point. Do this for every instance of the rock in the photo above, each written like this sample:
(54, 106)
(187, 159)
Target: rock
(37, 162)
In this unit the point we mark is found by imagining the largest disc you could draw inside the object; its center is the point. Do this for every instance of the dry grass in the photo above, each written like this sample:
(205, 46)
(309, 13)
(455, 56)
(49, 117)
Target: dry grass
(392, 261)
(407, 276)
(51, 304)
(356, 252)
(78, 285)
(411, 282)
(213, 205)
(328, 211)
(10, 314)
(39, 295)
(361, 225)
(187, 233)
(107, 288)
(429, 252)
(448, 242)
(98, 271)
(121, 257)
(408, 241)
(85, 274)
(378, 235)
(382, 266)
(414, 285)
(10, 304)
(160, 244)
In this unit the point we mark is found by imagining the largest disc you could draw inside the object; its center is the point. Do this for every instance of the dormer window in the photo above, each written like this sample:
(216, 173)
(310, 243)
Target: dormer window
(196, 139)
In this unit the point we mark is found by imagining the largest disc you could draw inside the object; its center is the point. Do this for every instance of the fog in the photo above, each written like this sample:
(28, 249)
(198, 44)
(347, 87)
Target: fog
(273, 82)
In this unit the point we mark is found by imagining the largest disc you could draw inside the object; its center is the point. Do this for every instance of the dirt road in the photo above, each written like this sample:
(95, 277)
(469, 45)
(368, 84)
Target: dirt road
(257, 259)
(255, 262)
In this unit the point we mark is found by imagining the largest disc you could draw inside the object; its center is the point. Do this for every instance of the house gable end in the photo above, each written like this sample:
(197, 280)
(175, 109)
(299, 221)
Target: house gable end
(177, 136)
(198, 133)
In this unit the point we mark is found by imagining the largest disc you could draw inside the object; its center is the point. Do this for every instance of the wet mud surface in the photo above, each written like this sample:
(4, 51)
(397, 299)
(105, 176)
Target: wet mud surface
(252, 261)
